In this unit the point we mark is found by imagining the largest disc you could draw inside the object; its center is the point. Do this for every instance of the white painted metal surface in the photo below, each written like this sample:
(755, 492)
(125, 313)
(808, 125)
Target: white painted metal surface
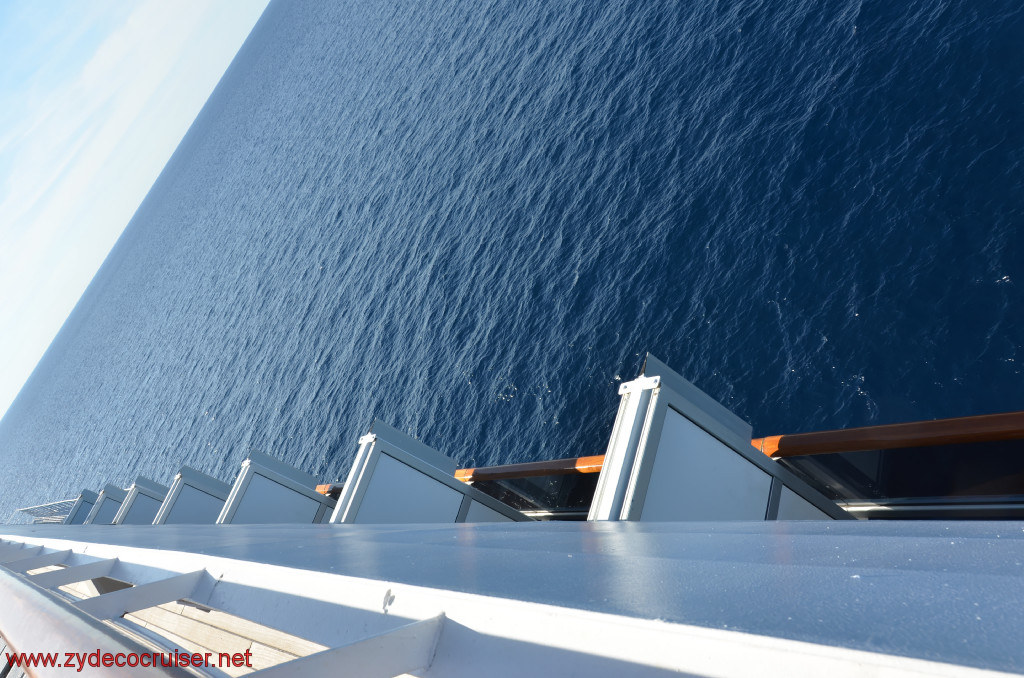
(114, 604)
(33, 619)
(405, 650)
(627, 438)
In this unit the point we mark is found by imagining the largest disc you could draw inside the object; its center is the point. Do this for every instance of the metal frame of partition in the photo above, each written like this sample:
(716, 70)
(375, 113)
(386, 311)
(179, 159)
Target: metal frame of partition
(81, 508)
(280, 474)
(386, 441)
(142, 487)
(633, 447)
(109, 494)
(196, 480)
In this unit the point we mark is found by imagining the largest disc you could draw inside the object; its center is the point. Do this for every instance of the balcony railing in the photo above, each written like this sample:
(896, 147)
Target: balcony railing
(962, 467)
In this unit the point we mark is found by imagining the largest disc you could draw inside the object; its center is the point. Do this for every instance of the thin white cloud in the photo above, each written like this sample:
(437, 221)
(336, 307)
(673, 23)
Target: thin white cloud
(80, 157)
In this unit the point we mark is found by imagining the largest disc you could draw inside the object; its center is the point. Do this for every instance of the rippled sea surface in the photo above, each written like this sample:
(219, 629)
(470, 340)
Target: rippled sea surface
(472, 219)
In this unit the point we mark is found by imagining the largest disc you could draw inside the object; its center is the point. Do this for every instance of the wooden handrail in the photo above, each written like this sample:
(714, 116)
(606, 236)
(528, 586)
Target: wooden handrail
(332, 490)
(532, 469)
(984, 428)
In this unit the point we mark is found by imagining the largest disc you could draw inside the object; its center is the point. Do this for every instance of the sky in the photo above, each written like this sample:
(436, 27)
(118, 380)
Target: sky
(94, 98)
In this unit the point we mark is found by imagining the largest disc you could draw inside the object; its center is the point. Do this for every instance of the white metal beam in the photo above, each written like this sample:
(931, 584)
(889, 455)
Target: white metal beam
(114, 604)
(69, 575)
(407, 649)
(35, 620)
(42, 560)
(10, 552)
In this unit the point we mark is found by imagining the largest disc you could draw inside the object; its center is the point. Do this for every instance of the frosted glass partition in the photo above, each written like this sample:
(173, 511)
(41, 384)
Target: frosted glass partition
(397, 479)
(81, 508)
(793, 507)
(195, 498)
(141, 504)
(677, 454)
(270, 491)
(108, 503)
(696, 477)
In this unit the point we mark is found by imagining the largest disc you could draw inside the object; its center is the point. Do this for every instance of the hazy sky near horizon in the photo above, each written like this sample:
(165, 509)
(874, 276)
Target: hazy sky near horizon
(94, 98)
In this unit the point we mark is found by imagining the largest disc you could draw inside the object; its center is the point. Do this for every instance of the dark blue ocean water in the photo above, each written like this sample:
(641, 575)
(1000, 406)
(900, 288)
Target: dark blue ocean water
(471, 219)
